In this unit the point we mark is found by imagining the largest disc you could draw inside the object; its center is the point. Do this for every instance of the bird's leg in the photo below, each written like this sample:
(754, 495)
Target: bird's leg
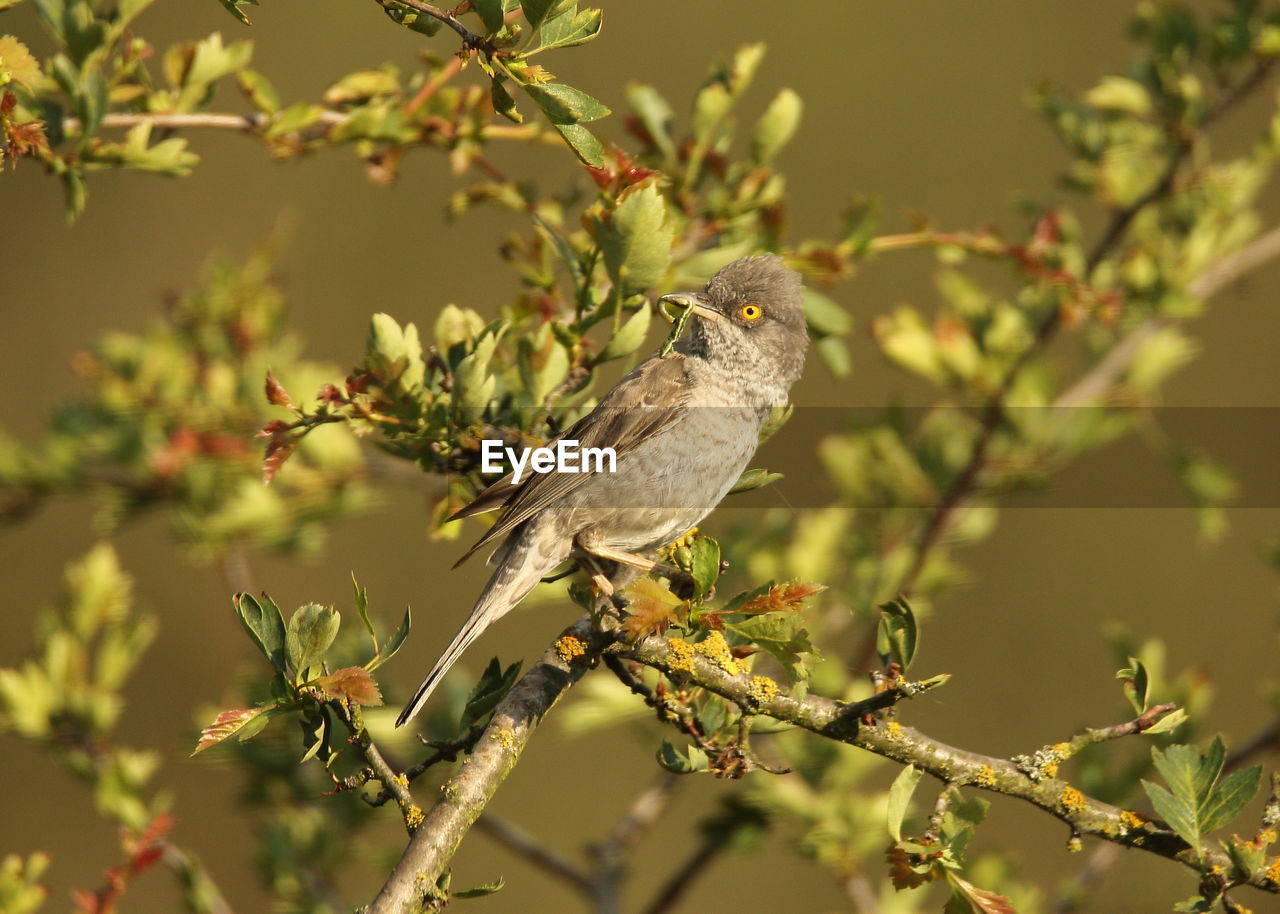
(682, 584)
(598, 577)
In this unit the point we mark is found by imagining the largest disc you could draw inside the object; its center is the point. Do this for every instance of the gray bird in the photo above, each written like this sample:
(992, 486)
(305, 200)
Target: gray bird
(683, 427)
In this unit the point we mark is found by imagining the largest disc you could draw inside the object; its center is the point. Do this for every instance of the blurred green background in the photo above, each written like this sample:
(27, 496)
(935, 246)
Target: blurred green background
(922, 104)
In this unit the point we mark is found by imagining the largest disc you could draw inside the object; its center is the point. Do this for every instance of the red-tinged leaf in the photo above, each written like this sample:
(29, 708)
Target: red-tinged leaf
(967, 898)
(228, 723)
(273, 428)
(651, 609)
(330, 394)
(787, 596)
(352, 683)
(276, 394)
(907, 871)
(278, 450)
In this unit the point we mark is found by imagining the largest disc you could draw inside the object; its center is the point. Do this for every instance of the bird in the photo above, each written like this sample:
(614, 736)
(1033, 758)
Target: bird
(683, 426)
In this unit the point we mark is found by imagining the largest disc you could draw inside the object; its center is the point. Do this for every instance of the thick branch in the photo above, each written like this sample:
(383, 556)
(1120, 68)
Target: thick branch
(839, 721)
(464, 796)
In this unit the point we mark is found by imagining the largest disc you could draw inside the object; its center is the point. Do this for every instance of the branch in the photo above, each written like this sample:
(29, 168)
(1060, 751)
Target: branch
(840, 721)
(967, 480)
(253, 123)
(519, 841)
(464, 796)
(470, 39)
(1095, 383)
(693, 866)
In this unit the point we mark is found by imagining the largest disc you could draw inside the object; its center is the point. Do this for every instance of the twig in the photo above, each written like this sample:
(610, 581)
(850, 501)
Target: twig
(519, 841)
(839, 721)
(609, 853)
(669, 710)
(693, 866)
(470, 39)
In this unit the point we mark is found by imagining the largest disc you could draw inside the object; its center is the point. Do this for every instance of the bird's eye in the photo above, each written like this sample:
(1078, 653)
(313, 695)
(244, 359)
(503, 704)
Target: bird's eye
(751, 312)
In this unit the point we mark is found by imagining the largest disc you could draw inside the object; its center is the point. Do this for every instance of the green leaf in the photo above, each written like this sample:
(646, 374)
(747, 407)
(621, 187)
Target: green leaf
(503, 103)
(311, 631)
(566, 105)
(481, 890)
(1196, 802)
(494, 683)
(583, 143)
(265, 626)
(777, 126)
(1167, 724)
(677, 762)
(835, 354)
(490, 12)
(630, 336)
(233, 7)
(569, 29)
(1229, 797)
(362, 607)
(704, 564)
(824, 316)
(1178, 813)
(898, 637)
(756, 478)
(392, 644)
(904, 785)
(259, 90)
(636, 242)
(537, 11)
(655, 116)
(1137, 684)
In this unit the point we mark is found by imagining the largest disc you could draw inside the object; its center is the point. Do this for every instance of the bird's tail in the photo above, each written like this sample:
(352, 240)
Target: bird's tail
(520, 570)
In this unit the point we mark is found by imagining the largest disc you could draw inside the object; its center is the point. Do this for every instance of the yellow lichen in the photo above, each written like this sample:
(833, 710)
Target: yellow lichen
(1073, 800)
(504, 738)
(681, 655)
(570, 647)
(1273, 871)
(1050, 769)
(716, 649)
(668, 552)
(413, 817)
(986, 777)
(762, 690)
(1130, 819)
(1061, 750)
(1074, 845)
(895, 729)
(1267, 836)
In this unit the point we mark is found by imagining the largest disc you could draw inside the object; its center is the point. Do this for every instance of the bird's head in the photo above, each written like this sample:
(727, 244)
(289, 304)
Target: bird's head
(751, 315)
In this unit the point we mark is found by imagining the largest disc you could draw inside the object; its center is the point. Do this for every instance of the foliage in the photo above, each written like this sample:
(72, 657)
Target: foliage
(170, 414)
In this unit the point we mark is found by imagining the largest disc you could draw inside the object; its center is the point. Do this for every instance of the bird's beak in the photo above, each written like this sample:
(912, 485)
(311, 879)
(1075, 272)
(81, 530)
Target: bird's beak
(695, 301)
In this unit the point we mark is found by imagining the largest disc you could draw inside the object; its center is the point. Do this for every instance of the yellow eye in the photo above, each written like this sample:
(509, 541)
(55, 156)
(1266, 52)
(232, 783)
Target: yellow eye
(751, 312)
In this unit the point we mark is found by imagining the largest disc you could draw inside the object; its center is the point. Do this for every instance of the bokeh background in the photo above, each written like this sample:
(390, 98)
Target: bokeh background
(922, 104)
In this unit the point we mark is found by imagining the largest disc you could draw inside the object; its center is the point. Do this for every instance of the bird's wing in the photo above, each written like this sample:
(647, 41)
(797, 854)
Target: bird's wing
(637, 408)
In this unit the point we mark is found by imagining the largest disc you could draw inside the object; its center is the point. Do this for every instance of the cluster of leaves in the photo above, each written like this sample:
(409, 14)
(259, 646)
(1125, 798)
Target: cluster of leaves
(99, 79)
(302, 680)
(169, 418)
(67, 697)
